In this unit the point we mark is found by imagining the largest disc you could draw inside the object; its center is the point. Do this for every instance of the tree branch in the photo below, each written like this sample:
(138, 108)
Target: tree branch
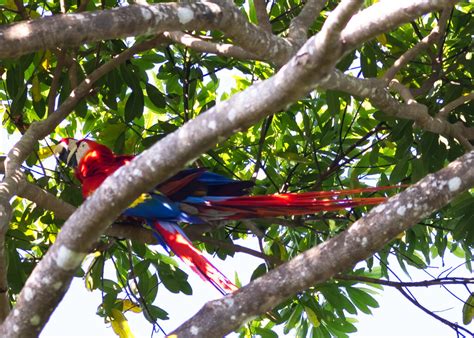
(199, 45)
(454, 326)
(298, 30)
(75, 29)
(426, 42)
(449, 107)
(235, 247)
(262, 15)
(424, 283)
(374, 90)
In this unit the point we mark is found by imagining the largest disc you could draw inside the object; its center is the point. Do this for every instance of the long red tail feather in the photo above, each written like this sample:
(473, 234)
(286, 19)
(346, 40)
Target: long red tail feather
(177, 241)
(286, 204)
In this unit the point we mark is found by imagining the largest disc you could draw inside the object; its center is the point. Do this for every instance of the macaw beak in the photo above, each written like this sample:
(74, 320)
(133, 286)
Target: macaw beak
(66, 152)
(61, 151)
(71, 160)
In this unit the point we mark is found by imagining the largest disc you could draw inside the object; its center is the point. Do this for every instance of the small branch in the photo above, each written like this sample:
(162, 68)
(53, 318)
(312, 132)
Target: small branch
(426, 42)
(449, 107)
(425, 283)
(262, 15)
(21, 9)
(403, 91)
(437, 59)
(298, 30)
(199, 45)
(83, 6)
(53, 89)
(5, 215)
(263, 134)
(62, 6)
(238, 248)
(454, 326)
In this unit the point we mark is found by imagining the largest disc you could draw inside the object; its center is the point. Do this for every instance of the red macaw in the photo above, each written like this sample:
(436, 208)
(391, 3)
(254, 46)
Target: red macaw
(197, 196)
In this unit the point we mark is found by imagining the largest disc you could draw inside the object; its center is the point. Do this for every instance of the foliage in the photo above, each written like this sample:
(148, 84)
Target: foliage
(326, 140)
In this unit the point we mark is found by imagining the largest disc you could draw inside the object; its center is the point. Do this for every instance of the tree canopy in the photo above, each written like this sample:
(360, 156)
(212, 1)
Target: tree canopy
(297, 96)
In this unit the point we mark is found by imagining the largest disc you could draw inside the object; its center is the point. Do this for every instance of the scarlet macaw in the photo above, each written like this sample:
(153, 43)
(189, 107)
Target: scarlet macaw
(196, 196)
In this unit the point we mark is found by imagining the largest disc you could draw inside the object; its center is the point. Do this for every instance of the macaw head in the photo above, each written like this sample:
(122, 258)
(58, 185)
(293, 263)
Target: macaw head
(71, 151)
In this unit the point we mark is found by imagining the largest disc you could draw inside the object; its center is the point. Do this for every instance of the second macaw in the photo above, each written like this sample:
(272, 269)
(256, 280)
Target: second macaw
(197, 196)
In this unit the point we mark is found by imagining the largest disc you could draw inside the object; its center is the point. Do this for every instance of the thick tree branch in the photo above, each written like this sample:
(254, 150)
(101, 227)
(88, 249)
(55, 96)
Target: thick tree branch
(76, 29)
(382, 16)
(320, 263)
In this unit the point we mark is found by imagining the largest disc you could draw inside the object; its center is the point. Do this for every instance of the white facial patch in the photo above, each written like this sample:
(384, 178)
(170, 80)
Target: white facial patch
(82, 150)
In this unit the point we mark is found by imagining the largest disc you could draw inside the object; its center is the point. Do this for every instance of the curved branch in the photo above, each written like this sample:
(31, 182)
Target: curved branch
(374, 90)
(454, 326)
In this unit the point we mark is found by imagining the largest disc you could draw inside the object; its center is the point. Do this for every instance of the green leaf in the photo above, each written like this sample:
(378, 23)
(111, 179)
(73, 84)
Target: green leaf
(468, 310)
(333, 101)
(265, 333)
(368, 62)
(362, 300)
(294, 318)
(399, 172)
(291, 156)
(312, 317)
(155, 96)
(153, 313)
(130, 78)
(134, 106)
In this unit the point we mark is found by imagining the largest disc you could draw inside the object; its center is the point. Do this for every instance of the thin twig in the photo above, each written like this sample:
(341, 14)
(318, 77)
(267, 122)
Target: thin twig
(425, 283)
(449, 107)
